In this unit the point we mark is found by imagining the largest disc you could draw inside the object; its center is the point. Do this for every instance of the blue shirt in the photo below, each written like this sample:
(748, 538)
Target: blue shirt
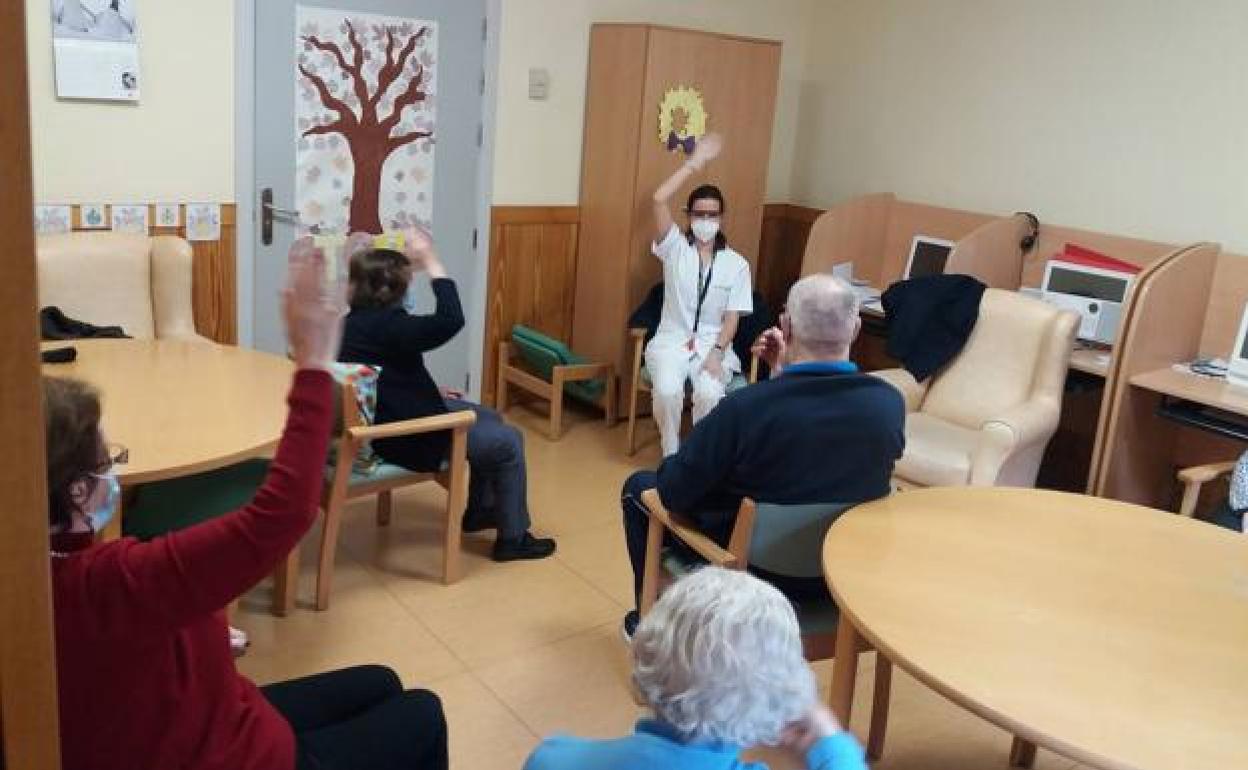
(821, 367)
(656, 745)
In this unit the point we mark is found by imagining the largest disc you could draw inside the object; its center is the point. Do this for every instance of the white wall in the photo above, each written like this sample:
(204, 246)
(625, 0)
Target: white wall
(1127, 116)
(538, 154)
(177, 144)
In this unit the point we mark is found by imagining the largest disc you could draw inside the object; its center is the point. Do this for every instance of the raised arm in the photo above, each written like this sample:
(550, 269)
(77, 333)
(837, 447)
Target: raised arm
(185, 575)
(420, 333)
(708, 147)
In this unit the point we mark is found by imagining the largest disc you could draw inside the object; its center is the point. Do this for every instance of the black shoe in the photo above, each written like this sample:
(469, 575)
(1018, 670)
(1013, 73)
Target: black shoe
(631, 619)
(524, 547)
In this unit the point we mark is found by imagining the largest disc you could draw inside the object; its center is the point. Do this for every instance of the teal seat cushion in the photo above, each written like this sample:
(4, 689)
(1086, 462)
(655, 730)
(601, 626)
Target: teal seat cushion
(167, 506)
(381, 471)
(542, 354)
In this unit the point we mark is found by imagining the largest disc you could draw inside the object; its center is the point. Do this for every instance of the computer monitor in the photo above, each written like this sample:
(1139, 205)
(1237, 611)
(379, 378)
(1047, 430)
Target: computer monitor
(1086, 281)
(1237, 361)
(927, 256)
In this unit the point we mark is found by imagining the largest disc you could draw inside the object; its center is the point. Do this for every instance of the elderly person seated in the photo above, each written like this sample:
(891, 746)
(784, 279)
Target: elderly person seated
(719, 661)
(817, 432)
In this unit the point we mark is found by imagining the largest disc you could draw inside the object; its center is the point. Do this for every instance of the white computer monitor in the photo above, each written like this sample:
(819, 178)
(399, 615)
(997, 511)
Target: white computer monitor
(1080, 280)
(1237, 361)
(928, 256)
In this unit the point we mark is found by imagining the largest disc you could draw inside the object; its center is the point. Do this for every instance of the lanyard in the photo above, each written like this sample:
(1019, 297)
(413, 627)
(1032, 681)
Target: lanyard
(703, 288)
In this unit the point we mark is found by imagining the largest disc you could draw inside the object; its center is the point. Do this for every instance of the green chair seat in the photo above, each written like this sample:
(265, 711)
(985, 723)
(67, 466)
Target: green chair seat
(542, 354)
(381, 471)
(167, 506)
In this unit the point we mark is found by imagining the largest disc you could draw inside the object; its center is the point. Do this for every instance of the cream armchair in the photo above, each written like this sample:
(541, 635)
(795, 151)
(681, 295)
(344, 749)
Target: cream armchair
(140, 283)
(986, 418)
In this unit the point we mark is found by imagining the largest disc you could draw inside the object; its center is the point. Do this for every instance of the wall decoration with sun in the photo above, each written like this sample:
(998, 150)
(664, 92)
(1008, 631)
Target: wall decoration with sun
(682, 119)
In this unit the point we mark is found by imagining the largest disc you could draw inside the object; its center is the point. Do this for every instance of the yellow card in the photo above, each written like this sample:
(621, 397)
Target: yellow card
(392, 240)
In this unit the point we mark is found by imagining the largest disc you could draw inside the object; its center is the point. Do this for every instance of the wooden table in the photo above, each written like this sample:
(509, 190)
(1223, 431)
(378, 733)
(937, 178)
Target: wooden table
(182, 407)
(1113, 634)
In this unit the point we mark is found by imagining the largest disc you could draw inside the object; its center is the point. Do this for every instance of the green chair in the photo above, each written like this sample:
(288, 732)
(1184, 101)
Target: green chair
(546, 368)
(781, 539)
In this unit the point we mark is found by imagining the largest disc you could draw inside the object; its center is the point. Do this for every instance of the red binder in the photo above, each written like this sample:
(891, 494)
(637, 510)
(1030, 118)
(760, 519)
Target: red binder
(1081, 255)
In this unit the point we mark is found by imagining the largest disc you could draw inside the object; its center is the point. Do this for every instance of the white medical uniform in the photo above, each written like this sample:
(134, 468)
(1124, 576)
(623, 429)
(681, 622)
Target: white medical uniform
(669, 360)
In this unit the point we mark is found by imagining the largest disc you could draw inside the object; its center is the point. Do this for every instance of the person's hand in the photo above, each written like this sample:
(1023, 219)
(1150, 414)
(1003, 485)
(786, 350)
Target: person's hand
(313, 305)
(705, 150)
(357, 242)
(818, 723)
(419, 250)
(714, 364)
(451, 393)
(770, 348)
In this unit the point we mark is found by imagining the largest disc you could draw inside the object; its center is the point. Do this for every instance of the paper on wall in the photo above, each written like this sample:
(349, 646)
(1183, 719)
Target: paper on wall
(97, 50)
(203, 222)
(168, 215)
(51, 219)
(92, 216)
(130, 218)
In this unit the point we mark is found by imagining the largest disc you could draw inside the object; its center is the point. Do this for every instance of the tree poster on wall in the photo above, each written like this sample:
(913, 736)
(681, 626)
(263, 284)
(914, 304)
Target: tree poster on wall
(364, 113)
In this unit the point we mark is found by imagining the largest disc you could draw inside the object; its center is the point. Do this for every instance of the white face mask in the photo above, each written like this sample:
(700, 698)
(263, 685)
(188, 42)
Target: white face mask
(705, 230)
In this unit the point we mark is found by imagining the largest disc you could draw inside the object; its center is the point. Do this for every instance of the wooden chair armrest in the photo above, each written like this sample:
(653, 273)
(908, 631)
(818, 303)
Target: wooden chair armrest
(575, 372)
(704, 546)
(449, 421)
(1199, 474)
(637, 332)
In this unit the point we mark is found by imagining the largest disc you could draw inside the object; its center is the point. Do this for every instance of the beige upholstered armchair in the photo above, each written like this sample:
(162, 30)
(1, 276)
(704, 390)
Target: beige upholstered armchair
(985, 419)
(140, 283)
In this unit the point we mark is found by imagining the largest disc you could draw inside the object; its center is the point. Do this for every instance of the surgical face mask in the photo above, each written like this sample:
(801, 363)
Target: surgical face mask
(705, 230)
(104, 499)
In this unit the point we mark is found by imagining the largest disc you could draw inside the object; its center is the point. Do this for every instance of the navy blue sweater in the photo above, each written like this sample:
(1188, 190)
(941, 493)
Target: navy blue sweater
(803, 437)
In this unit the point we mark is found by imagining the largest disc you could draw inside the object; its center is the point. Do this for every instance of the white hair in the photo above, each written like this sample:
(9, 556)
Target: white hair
(719, 657)
(823, 311)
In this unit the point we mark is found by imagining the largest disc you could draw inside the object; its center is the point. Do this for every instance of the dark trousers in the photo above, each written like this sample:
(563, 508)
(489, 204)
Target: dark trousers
(498, 481)
(361, 717)
(715, 524)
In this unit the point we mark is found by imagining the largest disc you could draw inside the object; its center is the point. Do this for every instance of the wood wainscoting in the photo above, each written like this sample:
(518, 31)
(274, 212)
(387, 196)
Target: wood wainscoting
(781, 247)
(215, 272)
(533, 260)
(532, 277)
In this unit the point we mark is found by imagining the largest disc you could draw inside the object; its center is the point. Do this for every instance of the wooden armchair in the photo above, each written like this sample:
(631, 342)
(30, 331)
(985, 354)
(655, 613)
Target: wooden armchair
(1194, 478)
(641, 382)
(344, 482)
(786, 539)
(553, 371)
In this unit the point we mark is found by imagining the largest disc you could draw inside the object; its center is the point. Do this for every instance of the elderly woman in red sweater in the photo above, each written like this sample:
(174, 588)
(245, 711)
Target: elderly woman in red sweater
(147, 679)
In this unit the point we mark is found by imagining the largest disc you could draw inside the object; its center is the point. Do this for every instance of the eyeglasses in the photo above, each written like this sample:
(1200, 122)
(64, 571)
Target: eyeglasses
(116, 454)
(695, 214)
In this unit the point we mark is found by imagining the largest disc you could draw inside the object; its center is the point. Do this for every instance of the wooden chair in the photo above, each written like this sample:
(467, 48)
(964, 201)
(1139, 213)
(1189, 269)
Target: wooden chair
(1194, 478)
(641, 382)
(551, 372)
(784, 539)
(344, 482)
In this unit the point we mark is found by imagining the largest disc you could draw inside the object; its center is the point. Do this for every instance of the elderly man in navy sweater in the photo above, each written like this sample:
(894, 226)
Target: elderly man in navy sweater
(818, 431)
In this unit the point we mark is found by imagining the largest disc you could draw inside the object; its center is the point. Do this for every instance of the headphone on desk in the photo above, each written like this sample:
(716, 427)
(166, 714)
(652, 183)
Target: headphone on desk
(1028, 241)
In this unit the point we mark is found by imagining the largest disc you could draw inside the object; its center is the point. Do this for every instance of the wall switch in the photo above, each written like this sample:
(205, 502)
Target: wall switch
(539, 83)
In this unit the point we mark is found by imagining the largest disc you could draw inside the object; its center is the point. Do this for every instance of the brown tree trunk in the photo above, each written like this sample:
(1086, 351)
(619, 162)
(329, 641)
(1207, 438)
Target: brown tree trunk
(369, 154)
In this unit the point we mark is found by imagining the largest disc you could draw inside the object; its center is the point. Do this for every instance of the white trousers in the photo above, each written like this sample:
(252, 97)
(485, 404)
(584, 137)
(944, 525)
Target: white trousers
(670, 367)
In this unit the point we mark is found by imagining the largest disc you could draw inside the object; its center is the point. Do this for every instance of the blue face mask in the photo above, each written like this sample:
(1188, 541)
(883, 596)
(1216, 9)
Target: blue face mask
(103, 513)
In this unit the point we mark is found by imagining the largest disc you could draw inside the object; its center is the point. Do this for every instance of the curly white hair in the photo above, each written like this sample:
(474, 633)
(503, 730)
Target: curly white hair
(719, 657)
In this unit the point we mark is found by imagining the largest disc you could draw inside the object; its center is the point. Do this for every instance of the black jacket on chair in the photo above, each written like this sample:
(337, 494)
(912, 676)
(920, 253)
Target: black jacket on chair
(55, 325)
(930, 319)
(394, 340)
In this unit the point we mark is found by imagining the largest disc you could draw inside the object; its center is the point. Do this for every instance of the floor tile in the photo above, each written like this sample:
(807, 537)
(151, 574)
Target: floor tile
(483, 733)
(600, 556)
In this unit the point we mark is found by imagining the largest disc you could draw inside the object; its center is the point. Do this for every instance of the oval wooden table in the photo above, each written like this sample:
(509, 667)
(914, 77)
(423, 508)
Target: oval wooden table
(182, 407)
(1110, 633)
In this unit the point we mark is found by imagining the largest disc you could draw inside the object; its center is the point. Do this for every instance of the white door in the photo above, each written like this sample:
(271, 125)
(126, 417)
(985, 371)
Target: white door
(368, 117)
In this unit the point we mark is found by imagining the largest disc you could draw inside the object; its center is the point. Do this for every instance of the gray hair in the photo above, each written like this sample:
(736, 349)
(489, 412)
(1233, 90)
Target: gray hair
(719, 657)
(823, 311)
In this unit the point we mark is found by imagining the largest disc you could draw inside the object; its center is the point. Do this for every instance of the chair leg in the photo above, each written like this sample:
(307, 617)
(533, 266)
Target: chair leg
(456, 500)
(384, 502)
(286, 583)
(879, 706)
(844, 670)
(556, 408)
(500, 396)
(1022, 753)
(650, 578)
(329, 547)
(612, 405)
(632, 420)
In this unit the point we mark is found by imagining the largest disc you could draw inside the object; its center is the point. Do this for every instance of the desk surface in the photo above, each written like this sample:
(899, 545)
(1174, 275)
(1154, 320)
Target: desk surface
(1209, 391)
(1114, 634)
(182, 407)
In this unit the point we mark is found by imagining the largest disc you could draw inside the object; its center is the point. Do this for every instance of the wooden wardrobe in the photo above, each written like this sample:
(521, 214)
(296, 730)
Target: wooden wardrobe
(631, 66)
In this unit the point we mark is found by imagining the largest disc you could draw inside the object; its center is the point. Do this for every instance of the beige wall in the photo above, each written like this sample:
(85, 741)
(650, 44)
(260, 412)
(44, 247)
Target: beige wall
(1128, 116)
(177, 144)
(538, 144)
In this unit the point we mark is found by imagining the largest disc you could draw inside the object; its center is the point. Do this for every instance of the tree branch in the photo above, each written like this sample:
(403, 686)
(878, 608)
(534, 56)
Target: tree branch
(328, 99)
(411, 95)
(396, 142)
(390, 73)
(337, 127)
(329, 48)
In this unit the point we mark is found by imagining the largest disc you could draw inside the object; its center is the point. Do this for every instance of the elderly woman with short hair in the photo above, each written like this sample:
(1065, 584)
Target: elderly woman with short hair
(719, 661)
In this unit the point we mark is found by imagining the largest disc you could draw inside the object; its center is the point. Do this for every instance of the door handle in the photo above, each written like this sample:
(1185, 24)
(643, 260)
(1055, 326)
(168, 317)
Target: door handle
(268, 211)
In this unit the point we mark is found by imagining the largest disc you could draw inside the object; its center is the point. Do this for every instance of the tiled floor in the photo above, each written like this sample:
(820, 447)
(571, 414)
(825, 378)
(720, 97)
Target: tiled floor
(518, 651)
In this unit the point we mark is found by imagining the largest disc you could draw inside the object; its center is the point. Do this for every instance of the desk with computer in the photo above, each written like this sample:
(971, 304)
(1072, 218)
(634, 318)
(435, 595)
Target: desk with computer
(1144, 307)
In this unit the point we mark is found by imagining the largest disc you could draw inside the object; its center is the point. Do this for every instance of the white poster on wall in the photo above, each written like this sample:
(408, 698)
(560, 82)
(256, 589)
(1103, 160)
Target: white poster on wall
(96, 43)
(365, 87)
